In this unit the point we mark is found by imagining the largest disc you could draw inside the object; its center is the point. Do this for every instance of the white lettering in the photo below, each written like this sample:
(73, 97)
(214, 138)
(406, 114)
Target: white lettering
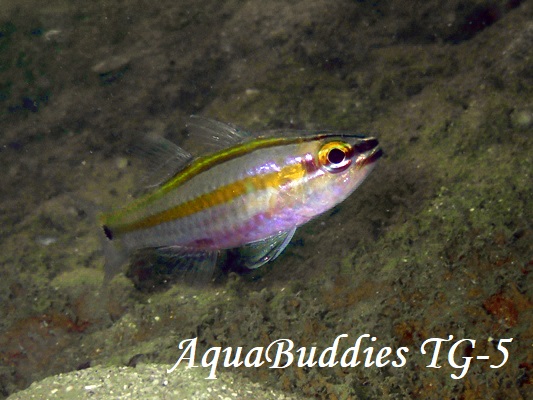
(369, 351)
(383, 353)
(401, 357)
(333, 350)
(280, 352)
(190, 347)
(213, 363)
(310, 360)
(355, 350)
(438, 342)
(236, 361)
(257, 361)
(451, 358)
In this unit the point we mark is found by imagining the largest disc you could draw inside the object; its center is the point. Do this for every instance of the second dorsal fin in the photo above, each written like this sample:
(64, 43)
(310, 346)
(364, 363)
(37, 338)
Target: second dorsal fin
(212, 136)
(162, 159)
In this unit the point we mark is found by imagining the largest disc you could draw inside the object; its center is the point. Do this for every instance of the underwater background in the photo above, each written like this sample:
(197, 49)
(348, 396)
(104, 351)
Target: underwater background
(436, 242)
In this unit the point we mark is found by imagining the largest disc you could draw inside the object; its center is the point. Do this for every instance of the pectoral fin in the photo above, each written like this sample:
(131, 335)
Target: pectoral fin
(256, 254)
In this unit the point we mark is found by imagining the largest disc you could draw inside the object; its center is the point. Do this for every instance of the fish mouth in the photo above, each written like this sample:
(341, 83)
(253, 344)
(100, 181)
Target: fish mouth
(366, 144)
(374, 156)
(369, 150)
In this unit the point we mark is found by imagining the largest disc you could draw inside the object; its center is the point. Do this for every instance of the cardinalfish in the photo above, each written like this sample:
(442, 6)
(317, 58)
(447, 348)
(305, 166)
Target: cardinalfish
(247, 190)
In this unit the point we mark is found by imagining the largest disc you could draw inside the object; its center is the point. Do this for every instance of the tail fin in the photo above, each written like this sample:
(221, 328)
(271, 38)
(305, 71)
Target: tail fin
(114, 253)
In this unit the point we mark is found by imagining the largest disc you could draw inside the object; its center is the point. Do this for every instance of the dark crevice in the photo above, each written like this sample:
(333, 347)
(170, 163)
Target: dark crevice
(479, 18)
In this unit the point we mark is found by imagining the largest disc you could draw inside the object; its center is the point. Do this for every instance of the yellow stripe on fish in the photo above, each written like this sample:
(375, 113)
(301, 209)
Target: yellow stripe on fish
(194, 169)
(219, 196)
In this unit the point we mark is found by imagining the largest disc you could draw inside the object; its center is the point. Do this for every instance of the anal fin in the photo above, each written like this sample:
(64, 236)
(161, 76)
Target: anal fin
(156, 267)
(196, 266)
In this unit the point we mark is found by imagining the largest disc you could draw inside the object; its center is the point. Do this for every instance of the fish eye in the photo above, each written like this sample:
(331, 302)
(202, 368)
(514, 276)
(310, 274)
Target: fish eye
(335, 156)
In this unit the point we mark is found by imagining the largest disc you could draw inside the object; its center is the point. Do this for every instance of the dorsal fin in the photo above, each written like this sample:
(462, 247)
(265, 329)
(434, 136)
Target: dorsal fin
(162, 159)
(212, 136)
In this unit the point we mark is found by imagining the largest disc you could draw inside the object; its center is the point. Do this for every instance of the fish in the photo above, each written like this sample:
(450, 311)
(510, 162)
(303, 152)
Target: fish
(244, 190)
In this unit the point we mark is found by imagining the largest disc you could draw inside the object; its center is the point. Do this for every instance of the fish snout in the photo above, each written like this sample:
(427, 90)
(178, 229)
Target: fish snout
(368, 150)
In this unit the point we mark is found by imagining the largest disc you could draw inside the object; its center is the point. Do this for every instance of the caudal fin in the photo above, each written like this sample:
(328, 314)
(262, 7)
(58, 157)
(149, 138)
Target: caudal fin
(114, 253)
